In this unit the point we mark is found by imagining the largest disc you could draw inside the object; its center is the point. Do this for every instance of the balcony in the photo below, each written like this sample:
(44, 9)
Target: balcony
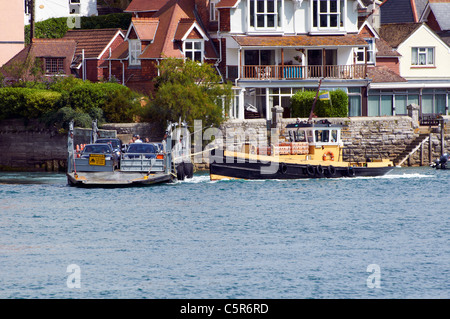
(299, 72)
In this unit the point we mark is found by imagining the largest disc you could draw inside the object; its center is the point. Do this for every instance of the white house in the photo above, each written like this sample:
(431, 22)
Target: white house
(273, 48)
(424, 63)
(46, 9)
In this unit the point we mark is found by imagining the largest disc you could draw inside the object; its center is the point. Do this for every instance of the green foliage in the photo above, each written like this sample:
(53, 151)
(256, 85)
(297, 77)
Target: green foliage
(57, 27)
(188, 90)
(113, 20)
(301, 104)
(26, 102)
(50, 29)
(65, 97)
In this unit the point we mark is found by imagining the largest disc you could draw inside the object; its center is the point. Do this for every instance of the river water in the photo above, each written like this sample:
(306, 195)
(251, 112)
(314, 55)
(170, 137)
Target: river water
(383, 237)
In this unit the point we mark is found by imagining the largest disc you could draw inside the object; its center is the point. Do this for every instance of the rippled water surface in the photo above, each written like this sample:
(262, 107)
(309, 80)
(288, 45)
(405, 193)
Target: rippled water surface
(227, 239)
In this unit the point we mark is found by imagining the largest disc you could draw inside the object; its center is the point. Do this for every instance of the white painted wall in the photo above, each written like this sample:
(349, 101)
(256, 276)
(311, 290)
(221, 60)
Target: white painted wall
(296, 19)
(46, 9)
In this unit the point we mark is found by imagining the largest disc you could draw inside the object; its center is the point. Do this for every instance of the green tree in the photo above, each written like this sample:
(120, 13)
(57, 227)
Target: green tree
(188, 90)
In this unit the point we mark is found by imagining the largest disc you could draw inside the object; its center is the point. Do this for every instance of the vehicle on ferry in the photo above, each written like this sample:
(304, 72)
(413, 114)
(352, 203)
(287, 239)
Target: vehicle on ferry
(304, 150)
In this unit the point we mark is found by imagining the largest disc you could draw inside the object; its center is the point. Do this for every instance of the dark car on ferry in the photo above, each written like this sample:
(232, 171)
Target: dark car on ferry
(136, 150)
(115, 143)
(102, 149)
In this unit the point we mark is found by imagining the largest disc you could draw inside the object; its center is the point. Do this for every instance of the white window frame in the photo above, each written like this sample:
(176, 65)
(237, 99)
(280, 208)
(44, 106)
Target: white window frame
(213, 12)
(365, 55)
(253, 16)
(423, 51)
(134, 47)
(340, 15)
(193, 50)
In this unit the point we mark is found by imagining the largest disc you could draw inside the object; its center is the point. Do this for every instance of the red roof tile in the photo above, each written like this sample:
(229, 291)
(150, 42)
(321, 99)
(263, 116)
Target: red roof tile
(301, 41)
(145, 28)
(145, 5)
(226, 4)
(381, 74)
(93, 42)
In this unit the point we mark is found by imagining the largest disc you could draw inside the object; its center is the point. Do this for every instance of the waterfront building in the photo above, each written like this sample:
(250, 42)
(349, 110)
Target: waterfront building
(11, 29)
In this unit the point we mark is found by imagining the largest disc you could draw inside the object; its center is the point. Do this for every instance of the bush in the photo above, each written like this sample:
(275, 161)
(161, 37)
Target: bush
(113, 20)
(301, 104)
(26, 102)
(51, 28)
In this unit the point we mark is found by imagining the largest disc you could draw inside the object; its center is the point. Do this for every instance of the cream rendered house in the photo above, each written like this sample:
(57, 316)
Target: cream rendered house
(424, 56)
(11, 29)
(424, 63)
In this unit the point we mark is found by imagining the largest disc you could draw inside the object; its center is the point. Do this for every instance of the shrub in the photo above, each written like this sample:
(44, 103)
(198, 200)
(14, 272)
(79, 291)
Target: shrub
(26, 102)
(337, 106)
(51, 28)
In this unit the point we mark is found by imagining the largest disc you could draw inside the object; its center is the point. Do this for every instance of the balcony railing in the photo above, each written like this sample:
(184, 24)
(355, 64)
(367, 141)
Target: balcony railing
(298, 72)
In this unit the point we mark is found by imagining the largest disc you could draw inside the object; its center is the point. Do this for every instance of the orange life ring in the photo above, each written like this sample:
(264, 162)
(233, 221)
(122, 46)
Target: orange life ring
(324, 157)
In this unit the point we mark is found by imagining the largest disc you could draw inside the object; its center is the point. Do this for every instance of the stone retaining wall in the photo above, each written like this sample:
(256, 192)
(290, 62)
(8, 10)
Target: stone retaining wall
(363, 136)
(32, 146)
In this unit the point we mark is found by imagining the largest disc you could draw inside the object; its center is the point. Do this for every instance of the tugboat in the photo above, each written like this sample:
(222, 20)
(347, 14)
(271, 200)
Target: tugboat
(307, 150)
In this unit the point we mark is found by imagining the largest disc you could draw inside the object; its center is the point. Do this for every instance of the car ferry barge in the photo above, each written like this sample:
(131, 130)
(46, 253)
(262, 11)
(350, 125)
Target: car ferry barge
(305, 150)
(98, 166)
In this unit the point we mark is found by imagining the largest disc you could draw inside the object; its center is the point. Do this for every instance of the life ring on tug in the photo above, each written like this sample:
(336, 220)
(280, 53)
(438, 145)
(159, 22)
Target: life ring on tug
(324, 157)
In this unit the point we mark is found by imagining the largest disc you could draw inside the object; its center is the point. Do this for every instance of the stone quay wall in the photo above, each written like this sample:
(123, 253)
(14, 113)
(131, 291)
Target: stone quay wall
(32, 146)
(363, 137)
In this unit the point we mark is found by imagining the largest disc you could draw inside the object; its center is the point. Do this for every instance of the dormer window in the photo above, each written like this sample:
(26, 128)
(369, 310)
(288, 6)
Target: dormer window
(265, 14)
(328, 14)
(193, 49)
(134, 51)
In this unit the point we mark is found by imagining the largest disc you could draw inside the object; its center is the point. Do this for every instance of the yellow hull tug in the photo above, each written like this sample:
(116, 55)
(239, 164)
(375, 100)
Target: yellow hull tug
(307, 150)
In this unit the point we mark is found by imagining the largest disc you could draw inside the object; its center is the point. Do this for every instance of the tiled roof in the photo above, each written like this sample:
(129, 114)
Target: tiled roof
(380, 74)
(445, 36)
(170, 16)
(395, 33)
(183, 27)
(145, 28)
(396, 11)
(226, 4)
(145, 5)
(301, 41)
(441, 10)
(47, 48)
(384, 49)
(121, 52)
(93, 42)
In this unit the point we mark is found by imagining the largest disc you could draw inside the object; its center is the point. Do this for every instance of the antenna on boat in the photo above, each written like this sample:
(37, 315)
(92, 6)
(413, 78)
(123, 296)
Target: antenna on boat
(315, 100)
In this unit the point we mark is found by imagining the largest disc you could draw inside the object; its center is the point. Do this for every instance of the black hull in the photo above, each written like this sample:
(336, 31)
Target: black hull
(258, 170)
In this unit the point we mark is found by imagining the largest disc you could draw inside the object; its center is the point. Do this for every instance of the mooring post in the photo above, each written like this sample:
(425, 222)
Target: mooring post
(430, 155)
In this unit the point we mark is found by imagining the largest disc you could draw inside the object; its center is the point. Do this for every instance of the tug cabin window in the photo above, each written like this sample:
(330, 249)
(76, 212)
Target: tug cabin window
(326, 136)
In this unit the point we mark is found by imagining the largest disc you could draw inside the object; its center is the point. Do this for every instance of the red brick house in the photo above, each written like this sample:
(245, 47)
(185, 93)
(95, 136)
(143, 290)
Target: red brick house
(79, 52)
(56, 57)
(158, 30)
(93, 47)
